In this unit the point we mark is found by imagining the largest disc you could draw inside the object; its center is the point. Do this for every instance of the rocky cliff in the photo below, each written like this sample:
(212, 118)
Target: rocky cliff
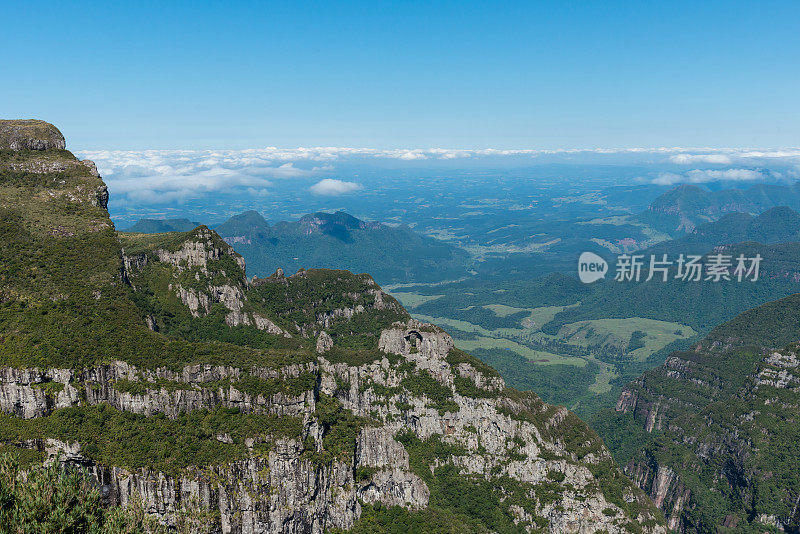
(303, 403)
(713, 433)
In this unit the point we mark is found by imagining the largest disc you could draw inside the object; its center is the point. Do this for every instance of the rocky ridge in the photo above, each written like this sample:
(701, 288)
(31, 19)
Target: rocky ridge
(203, 271)
(132, 358)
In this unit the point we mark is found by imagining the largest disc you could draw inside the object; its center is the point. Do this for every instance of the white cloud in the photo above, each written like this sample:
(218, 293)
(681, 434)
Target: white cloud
(668, 178)
(688, 159)
(271, 156)
(730, 156)
(737, 175)
(412, 155)
(330, 187)
(699, 176)
(167, 176)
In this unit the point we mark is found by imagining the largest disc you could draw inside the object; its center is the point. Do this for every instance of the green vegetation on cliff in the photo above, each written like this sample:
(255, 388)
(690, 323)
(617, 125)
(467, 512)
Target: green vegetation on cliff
(50, 499)
(133, 441)
(724, 419)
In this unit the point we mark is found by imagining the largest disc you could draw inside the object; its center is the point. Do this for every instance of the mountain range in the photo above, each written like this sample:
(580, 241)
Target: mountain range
(774, 235)
(337, 240)
(683, 208)
(775, 225)
(168, 389)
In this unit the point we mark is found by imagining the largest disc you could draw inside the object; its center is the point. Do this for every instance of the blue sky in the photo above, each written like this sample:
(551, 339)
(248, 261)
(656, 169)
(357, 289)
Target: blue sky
(234, 75)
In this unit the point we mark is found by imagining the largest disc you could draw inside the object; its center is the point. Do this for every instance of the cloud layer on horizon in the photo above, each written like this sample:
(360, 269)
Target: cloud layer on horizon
(734, 154)
(257, 156)
(169, 176)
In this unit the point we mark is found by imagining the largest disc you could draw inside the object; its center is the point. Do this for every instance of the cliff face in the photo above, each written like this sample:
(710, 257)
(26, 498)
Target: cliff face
(720, 425)
(285, 404)
(201, 270)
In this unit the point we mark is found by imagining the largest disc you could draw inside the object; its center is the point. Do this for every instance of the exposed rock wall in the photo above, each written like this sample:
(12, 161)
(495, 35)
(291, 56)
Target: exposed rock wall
(288, 491)
(30, 393)
(711, 408)
(196, 253)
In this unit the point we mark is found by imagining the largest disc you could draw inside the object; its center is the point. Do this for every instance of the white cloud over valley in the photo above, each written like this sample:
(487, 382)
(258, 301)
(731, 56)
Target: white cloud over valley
(698, 176)
(332, 187)
(166, 176)
(721, 159)
(733, 156)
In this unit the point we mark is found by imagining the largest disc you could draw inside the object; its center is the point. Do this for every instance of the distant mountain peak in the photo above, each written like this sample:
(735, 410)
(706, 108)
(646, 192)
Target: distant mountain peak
(688, 188)
(779, 213)
(241, 227)
(250, 216)
(675, 198)
(340, 240)
(334, 224)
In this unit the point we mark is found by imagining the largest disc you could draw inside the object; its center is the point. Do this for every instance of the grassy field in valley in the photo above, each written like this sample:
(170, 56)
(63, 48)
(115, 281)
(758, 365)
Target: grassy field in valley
(600, 351)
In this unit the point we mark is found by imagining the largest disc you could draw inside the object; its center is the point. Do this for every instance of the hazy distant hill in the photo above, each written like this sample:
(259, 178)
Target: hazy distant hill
(774, 234)
(700, 305)
(631, 198)
(338, 240)
(158, 226)
(682, 209)
(776, 225)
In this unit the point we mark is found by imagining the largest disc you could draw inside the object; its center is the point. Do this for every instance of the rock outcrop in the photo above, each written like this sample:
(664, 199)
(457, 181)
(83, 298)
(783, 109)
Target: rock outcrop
(30, 135)
(203, 270)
